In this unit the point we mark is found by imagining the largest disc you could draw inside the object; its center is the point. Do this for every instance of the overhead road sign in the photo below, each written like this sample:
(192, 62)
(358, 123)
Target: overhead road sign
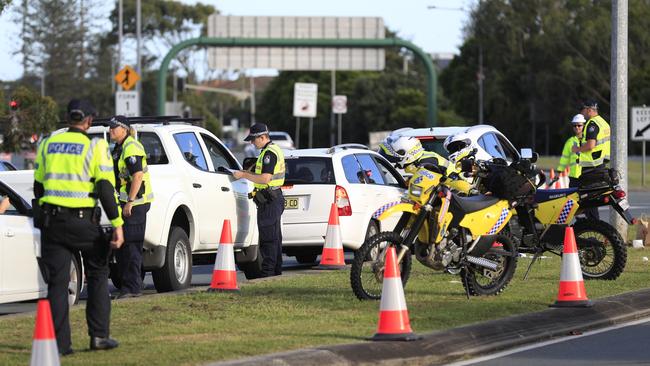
(640, 117)
(127, 77)
(296, 28)
(305, 96)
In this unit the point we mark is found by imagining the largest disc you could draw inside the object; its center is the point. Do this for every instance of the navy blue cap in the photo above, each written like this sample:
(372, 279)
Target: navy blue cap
(589, 103)
(119, 121)
(256, 130)
(78, 109)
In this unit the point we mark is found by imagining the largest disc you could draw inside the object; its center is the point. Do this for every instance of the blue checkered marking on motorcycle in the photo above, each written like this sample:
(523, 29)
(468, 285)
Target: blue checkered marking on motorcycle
(502, 218)
(383, 209)
(565, 212)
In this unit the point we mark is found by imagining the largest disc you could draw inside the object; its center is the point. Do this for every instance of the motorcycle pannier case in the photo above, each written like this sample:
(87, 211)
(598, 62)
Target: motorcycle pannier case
(506, 183)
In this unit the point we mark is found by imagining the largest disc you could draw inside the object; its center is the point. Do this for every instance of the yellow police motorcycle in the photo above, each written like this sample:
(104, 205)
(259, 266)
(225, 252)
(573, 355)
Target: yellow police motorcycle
(539, 225)
(445, 231)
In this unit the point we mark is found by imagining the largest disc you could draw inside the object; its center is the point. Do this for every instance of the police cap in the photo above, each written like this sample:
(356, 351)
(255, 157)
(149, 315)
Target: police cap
(256, 130)
(589, 103)
(78, 109)
(119, 121)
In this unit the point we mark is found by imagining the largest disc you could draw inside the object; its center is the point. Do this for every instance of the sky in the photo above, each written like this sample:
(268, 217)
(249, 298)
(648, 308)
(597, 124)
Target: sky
(433, 30)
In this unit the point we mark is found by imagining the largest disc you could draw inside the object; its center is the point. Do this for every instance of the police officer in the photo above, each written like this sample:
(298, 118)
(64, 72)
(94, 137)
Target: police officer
(267, 178)
(569, 158)
(594, 149)
(134, 186)
(407, 153)
(71, 173)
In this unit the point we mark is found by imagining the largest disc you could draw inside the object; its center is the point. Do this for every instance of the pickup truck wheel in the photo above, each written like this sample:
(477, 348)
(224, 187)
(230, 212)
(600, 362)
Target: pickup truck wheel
(252, 269)
(76, 280)
(176, 273)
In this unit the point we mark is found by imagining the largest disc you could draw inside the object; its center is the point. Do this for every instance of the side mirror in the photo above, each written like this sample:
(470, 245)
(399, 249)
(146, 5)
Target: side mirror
(249, 163)
(526, 153)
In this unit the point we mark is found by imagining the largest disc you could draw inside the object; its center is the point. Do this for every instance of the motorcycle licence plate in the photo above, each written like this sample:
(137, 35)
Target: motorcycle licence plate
(623, 204)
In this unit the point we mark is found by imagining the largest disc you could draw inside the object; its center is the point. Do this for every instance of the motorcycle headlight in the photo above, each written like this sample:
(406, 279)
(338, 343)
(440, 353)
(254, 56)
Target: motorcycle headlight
(415, 190)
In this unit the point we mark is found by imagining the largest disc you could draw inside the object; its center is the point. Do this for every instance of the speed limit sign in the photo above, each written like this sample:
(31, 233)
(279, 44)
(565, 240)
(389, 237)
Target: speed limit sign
(340, 104)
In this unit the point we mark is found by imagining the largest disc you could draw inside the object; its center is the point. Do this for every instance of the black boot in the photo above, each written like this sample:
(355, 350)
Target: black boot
(98, 343)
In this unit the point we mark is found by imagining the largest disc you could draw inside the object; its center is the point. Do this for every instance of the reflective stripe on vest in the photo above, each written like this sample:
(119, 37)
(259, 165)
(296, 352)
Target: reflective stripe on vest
(133, 147)
(277, 179)
(602, 144)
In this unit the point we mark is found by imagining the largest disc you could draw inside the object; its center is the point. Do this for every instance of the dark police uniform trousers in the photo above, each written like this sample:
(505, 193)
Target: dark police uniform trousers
(270, 233)
(69, 231)
(129, 256)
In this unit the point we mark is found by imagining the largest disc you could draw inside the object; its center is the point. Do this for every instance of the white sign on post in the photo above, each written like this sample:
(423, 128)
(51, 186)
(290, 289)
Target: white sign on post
(127, 103)
(305, 96)
(640, 130)
(340, 104)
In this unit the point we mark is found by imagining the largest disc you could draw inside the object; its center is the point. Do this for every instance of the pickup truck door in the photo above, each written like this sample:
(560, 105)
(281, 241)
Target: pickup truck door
(211, 193)
(235, 192)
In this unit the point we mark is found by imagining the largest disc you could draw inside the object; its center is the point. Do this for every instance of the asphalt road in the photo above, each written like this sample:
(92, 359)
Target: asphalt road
(201, 276)
(625, 344)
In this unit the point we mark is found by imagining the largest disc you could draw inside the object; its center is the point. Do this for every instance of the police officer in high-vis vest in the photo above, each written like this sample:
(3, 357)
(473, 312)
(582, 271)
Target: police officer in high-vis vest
(71, 173)
(569, 158)
(134, 186)
(268, 179)
(594, 149)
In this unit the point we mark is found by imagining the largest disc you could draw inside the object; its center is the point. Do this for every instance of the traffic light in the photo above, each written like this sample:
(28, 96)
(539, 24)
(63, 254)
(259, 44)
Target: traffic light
(13, 105)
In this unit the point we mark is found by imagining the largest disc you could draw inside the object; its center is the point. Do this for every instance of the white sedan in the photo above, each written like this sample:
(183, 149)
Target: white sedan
(20, 277)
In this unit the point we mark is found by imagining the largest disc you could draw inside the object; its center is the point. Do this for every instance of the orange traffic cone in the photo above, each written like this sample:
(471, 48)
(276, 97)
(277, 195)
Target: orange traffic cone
(552, 176)
(394, 324)
(44, 348)
(560, 180)
(572, 287)
(332, 257)
(224, 275)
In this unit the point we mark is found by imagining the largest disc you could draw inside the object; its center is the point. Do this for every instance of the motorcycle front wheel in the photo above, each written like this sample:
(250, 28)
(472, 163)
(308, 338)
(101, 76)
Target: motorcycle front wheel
(367, 272)
(601, 249)
(481, 281)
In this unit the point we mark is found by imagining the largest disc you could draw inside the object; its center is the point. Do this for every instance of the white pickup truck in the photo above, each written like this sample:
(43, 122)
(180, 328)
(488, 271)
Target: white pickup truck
(194, 194)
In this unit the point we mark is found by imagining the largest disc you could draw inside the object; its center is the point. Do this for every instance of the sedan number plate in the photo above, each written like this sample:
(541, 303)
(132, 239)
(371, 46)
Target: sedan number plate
(623, 204)
(291, 203)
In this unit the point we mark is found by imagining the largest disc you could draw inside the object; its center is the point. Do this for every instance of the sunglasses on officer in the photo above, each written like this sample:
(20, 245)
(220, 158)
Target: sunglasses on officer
(578, 126)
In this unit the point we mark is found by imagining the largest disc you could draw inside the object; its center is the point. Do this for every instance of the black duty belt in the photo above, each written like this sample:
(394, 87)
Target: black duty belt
(81, 212)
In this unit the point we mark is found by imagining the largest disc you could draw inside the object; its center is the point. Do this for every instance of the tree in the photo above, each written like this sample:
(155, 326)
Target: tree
(541, 58)
(35, 114)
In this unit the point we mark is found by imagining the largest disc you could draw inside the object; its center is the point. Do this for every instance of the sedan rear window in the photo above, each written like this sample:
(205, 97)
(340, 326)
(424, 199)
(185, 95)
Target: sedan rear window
(309, 170)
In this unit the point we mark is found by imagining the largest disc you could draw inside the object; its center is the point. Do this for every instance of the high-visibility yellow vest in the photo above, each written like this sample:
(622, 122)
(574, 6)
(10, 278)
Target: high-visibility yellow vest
(277, 180)
(569, 158)
(132, 147)
(69, 165)
(587, 159)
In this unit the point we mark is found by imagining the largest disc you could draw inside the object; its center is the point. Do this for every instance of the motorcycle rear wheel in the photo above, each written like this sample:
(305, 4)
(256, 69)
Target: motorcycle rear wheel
(367, 272)
(480, 281)
(601, 249)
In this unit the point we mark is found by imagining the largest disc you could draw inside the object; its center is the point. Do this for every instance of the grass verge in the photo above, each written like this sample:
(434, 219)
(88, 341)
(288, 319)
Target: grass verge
(296, 312)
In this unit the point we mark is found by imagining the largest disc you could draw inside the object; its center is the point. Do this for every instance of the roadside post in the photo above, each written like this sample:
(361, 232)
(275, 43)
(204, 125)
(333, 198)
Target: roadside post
(640, 131)
(305, 96)
(340, 107)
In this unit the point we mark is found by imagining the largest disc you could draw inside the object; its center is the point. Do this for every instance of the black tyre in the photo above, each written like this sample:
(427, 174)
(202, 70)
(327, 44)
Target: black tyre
(116, 276)
(601, 249)
(253, 269)
(76, 280)
(306, 258)
(176, 273)
(480, 281)
(367, 272)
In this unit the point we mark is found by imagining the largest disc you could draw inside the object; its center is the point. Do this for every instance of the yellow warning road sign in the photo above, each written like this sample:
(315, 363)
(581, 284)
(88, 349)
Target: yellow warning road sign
(127, 77)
